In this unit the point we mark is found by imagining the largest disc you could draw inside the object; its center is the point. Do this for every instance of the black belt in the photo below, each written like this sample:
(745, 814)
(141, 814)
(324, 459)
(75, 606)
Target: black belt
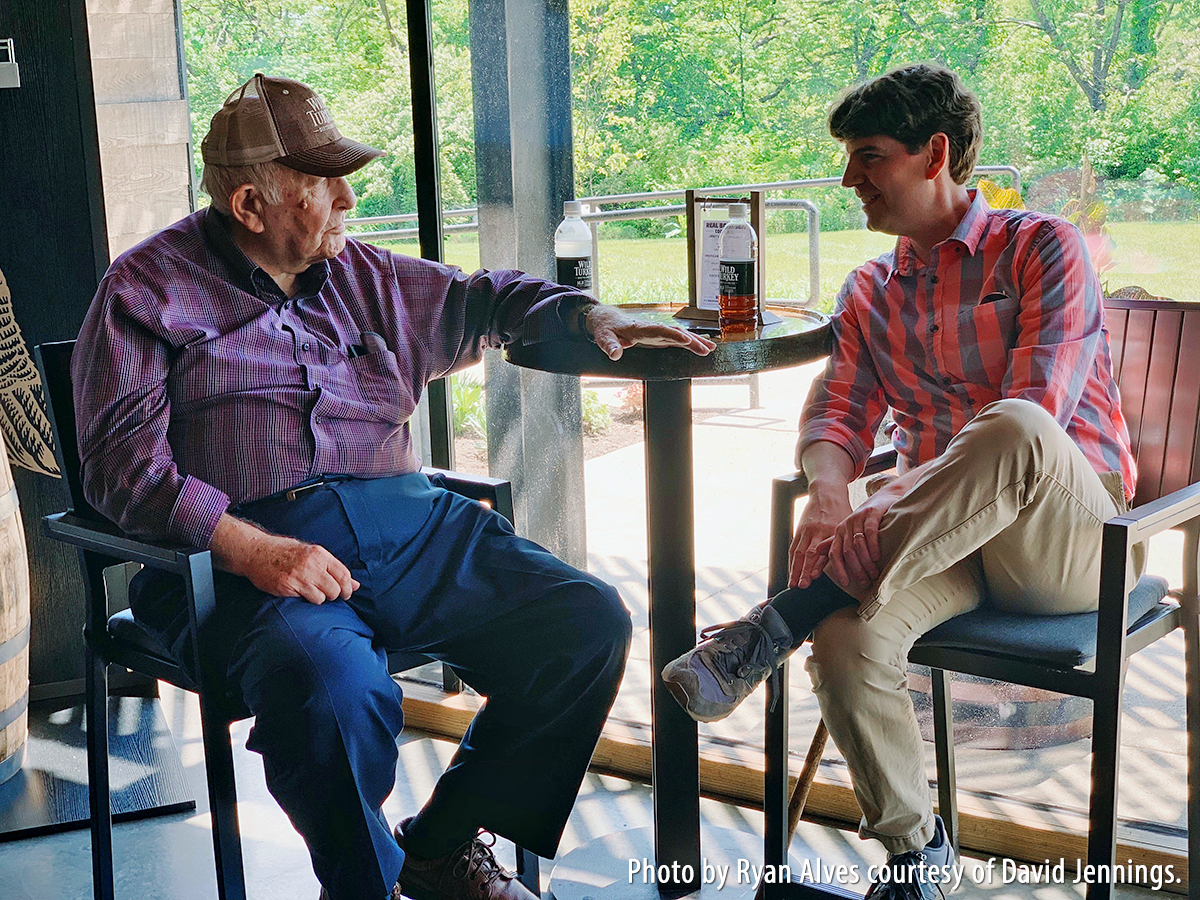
(299, 490)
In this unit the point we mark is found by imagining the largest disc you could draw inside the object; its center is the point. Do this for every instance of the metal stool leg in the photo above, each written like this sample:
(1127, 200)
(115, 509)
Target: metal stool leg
(529, 871)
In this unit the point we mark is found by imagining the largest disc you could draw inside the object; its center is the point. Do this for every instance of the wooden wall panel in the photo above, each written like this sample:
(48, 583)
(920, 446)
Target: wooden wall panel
(134, 36)
(143, 189)
(142, 117)
(53, 250)
(131, 6)
(134, 80)
(139, 124)
(54, 243)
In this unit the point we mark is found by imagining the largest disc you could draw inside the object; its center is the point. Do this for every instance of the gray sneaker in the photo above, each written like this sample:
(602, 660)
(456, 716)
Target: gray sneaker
(917, 874)
(730, 661)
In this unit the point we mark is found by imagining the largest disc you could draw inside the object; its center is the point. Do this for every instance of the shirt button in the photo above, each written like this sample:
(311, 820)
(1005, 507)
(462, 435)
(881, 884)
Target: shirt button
(933, 279)
(933, 329)
(306, 345)
(317, 420)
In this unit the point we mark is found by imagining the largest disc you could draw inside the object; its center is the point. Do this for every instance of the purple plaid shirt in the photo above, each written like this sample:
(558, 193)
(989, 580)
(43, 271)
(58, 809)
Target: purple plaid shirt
(200, 384)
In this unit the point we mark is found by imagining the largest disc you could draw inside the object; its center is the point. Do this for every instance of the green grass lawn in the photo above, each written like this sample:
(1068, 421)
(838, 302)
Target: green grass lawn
(1157, 256)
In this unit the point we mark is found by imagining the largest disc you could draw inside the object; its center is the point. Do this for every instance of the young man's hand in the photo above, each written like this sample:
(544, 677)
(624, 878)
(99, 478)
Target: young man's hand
(614, 331)
(829, 470)
(826, 509)
(851, 552)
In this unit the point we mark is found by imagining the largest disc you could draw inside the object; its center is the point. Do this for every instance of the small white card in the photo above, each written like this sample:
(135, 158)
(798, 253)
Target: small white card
(710, 262)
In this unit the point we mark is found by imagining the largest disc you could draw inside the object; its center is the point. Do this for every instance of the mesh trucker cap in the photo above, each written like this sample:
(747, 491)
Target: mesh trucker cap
(271, 118)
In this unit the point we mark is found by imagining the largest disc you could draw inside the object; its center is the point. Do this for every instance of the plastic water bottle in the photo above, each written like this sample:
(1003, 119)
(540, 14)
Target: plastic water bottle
(738, 296)
(573, 248)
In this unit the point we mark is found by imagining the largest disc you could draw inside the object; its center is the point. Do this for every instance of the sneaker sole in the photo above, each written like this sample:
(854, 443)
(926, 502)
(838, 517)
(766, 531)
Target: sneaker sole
(680, 693)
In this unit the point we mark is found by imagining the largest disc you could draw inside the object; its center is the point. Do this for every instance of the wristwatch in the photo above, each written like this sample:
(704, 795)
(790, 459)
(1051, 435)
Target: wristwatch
(576, 320)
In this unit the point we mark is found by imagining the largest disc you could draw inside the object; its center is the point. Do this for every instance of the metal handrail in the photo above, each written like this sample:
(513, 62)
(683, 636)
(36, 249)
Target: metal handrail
(594, 218)
(473, 212)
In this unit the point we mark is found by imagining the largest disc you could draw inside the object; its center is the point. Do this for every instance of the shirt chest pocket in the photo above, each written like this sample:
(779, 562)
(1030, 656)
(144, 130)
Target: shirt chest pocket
(377, 376)
(987, 332)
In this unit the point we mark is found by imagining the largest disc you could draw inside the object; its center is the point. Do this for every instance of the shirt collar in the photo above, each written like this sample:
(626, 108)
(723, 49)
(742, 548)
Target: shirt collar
(250, 276)
(968, 232)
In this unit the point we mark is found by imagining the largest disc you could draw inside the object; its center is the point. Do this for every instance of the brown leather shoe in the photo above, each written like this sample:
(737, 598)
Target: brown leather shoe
(469, 873)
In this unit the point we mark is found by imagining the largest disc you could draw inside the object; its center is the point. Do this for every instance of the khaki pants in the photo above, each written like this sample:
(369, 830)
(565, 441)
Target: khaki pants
(1013, 505)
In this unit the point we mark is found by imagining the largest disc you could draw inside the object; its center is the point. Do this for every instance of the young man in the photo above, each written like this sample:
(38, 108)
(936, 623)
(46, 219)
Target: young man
(244, 383)
(982, 333)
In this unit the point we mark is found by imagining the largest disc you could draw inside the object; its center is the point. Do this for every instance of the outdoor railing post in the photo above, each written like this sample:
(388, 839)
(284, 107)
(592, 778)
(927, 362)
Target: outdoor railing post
(594, 227)
(814, 252)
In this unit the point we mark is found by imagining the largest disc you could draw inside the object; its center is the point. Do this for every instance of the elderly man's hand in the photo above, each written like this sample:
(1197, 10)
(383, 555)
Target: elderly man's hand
(613, 331)
(281, 566)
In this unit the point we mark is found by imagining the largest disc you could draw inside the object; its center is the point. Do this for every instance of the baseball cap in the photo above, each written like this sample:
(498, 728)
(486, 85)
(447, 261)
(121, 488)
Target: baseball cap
(270, 118)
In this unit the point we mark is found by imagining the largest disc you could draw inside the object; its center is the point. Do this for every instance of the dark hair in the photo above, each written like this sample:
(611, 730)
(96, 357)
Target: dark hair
(911, 104)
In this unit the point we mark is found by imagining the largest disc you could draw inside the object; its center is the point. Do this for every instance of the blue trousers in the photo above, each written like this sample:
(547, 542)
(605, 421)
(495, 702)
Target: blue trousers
(441, 575)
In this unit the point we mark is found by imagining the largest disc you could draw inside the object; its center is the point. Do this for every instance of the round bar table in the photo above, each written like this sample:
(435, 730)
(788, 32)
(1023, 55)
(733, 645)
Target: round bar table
(802, 336)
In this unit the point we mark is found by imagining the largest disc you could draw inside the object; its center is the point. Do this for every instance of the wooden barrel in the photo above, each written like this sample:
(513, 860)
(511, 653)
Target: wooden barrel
(14, 628)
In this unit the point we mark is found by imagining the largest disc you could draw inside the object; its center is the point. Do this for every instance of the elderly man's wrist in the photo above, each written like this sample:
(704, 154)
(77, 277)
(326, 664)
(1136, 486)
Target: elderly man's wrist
(576, 320)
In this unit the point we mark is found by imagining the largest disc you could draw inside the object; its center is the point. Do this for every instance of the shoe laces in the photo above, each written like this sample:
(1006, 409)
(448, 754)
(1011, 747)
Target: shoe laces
(477, 861)
(744, 649)
(905, 886)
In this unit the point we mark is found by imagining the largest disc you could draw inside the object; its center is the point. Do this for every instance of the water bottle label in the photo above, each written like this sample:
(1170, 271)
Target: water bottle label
(737, 278)
(576, 273)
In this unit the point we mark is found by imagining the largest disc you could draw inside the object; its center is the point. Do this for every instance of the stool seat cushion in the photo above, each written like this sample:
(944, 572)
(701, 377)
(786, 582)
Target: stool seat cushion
(125, 629)
(1061, 641)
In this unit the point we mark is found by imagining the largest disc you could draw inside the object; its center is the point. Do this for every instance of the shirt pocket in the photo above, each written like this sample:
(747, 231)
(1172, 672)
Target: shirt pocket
(377, 376)
(986, 335)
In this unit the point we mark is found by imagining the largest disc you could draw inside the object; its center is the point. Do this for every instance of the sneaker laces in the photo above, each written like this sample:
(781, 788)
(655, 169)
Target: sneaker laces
(478, 860)
(893, 889)
(745, 650)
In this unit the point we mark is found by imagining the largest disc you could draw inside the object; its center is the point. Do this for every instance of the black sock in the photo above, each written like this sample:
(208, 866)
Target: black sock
(804, 608)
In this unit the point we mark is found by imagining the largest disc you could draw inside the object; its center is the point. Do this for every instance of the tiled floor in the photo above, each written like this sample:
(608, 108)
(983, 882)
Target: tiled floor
(736, 454)
(171, 857)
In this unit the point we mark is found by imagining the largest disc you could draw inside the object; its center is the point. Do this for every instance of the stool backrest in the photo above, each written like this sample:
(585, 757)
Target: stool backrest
(54, 363)
(1155, 347)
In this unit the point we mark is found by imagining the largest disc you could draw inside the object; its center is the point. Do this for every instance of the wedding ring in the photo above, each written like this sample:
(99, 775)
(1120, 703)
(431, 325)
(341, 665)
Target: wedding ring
(859, 534)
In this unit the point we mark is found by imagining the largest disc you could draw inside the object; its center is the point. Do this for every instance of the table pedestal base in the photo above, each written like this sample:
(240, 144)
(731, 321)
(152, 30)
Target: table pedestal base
(600, 869)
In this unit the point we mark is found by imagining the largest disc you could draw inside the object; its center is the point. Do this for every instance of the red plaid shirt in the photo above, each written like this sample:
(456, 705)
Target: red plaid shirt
(1007, 306)
(198, 383)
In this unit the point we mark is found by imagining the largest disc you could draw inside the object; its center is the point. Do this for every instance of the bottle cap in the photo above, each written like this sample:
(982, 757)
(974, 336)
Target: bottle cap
(572, 208)
(739, 210)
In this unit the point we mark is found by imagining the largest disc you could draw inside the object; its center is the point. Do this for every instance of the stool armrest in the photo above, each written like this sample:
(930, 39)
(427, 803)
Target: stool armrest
(496, 492)
(1179, 509)
(880, 460)
(106, 538)
(1170, 511)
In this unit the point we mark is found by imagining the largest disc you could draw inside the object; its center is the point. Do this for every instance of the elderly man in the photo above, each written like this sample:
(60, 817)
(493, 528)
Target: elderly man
(983, 333)
(244, 383)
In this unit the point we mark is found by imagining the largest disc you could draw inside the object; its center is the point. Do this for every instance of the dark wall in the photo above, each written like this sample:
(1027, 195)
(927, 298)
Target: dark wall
(53, 250)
